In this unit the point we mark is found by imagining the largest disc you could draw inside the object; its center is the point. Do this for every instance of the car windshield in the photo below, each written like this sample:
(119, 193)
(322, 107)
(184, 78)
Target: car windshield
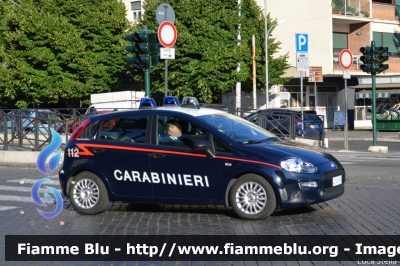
(236, 128)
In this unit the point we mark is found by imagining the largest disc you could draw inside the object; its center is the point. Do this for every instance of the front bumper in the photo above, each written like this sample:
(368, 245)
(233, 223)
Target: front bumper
(293, 194)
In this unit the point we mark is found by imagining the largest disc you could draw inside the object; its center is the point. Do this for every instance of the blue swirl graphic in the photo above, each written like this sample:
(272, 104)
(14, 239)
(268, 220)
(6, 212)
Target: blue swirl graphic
(45, 153)
(36, 198)
(41, 166)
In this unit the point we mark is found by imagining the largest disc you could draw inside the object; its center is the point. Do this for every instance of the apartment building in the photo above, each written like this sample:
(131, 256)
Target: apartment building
(331, 25)
(134, 9)
(334, 25)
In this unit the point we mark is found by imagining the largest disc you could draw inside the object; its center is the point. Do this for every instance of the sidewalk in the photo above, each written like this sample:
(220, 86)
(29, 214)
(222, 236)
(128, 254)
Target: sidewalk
(366, 135)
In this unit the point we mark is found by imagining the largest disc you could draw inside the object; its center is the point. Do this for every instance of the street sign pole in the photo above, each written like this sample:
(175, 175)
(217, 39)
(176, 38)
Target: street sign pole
(301, 65)
(165, 12)
(315, 97)
(166, 63)
(346, 61)
(346, 142)
(301, 102)
(166, 78)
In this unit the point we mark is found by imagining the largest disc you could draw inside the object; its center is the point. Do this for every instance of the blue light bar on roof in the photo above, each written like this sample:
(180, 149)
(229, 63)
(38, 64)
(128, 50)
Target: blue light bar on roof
(190, 102)
(147, 103)
(170, 100)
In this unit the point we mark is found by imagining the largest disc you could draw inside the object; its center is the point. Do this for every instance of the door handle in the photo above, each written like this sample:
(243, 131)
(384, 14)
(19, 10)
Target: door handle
(98, 150)
(157, 155)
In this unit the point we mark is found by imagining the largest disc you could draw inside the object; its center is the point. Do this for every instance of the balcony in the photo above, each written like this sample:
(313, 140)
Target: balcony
(352, 8)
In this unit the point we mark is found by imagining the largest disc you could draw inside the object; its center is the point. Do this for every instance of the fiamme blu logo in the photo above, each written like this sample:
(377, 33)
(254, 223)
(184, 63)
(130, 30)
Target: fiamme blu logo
(41, 166)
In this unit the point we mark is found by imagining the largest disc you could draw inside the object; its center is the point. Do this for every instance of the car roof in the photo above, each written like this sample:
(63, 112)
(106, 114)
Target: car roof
(184, 110)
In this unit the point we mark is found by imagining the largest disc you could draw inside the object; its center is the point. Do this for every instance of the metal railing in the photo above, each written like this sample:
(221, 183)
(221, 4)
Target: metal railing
(31, 129)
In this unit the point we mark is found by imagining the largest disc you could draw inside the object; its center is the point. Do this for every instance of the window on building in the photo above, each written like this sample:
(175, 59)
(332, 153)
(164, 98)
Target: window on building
(292, 96)
(390, 40)
(382, 1)
(136, 8)
(339, 42)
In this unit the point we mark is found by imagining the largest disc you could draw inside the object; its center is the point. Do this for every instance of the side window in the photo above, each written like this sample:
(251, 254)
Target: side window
(219, 146)
(124, 129)
(174, 131)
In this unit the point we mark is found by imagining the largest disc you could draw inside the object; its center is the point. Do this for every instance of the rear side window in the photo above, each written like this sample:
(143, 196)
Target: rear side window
(131, 129)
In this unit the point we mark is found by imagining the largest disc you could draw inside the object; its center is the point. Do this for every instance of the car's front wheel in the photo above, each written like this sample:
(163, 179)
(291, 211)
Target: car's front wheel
(88, 194)
(252, 197)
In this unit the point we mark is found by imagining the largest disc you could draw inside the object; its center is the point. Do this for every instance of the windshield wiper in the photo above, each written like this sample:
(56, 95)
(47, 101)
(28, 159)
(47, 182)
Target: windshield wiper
(252, 141)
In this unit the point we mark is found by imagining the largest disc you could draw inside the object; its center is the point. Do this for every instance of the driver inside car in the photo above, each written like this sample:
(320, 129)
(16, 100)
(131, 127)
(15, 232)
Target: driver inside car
(174, 131)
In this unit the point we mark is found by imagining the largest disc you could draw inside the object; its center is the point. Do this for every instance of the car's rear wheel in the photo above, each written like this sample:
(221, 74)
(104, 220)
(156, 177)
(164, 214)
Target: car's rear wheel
(88, 194)
(252, 197)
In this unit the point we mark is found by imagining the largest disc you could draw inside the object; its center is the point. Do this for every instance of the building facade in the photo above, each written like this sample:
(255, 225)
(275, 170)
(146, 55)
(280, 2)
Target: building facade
(334, 25)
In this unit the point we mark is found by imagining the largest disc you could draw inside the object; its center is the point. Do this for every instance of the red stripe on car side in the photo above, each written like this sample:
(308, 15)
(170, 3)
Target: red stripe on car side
(89, 153)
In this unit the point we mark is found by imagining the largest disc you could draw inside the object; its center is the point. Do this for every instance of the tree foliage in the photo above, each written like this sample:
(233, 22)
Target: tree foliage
(208, 51)
(51, 49)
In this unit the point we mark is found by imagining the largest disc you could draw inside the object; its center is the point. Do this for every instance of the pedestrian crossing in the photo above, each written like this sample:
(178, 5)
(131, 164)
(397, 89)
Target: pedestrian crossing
(16, 193)
(363, 157)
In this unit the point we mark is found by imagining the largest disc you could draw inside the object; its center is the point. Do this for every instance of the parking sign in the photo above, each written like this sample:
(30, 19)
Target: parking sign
(302, 42)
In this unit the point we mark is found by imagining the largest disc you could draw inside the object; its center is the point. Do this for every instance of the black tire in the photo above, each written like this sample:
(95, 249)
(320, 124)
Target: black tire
(247, 187)
(92, 186)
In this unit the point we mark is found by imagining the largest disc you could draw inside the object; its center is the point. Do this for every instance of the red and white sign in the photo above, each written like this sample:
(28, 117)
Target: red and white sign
(346, 59)
(167, 34)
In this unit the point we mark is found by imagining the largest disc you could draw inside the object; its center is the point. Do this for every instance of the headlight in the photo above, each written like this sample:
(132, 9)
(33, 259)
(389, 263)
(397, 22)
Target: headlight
(298, 166)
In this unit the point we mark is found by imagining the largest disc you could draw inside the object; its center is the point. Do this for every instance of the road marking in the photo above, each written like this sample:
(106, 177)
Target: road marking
(33, 181)
(15, 198)
(5, 208)
(23, 189)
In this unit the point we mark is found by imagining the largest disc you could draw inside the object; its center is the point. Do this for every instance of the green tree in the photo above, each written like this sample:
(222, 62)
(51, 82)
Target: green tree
(207, 50)
(51, 50)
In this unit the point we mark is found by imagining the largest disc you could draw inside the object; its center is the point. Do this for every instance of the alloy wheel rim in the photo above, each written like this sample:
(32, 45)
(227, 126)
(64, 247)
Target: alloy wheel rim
(251, 198)
(86, 193)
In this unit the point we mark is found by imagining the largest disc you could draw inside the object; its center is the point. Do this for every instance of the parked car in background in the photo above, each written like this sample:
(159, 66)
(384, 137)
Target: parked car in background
(279, 122)
(28, 117)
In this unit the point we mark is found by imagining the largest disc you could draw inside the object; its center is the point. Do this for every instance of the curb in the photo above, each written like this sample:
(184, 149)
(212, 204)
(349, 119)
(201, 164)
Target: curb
(18, 165)
(366, 139)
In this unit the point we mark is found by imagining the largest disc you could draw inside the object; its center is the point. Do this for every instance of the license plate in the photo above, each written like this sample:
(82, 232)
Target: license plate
(337, 180)
(314, 126)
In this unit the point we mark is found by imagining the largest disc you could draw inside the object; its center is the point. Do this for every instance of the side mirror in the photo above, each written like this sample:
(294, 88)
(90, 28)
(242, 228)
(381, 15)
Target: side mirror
(204, 145)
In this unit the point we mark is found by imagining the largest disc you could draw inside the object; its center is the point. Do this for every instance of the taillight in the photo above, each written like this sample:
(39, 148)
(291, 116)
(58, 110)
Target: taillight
(79, 130)
(298, 121)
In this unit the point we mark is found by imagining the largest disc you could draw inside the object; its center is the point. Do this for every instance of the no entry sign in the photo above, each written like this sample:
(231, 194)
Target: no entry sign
(167, 34)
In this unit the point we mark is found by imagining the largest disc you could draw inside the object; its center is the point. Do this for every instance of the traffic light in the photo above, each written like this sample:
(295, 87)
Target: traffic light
(366, 59)
(140, 48)
(155, 49)
(380, 56)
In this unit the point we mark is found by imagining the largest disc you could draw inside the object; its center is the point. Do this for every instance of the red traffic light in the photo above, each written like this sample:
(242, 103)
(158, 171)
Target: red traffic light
(365, 50)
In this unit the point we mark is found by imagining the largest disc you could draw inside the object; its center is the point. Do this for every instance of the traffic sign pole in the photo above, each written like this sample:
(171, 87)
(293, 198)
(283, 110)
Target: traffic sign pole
(167, 35)
(302, 65)
(346, 61)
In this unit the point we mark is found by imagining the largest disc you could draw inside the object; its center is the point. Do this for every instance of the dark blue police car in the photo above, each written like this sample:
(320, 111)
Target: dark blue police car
(217, 159)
